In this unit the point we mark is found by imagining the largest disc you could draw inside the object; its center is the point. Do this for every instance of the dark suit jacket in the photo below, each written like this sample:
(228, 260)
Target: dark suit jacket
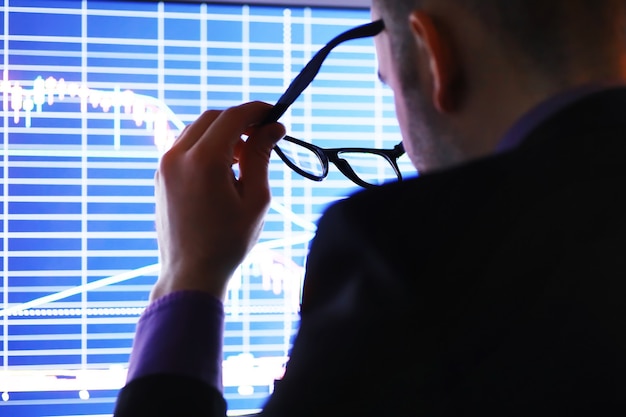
(494, 288)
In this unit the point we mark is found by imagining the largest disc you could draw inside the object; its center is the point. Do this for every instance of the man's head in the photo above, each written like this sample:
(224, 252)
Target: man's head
(463, 71)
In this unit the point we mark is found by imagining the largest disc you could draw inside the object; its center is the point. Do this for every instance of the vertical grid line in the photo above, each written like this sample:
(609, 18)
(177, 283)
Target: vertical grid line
(308, 113)
(378, 110)
(288, 195)
(286, 121)
(161, 52)
(5, 185)
(245, 52)
(84, 188)
(204, 58)
(245, 87)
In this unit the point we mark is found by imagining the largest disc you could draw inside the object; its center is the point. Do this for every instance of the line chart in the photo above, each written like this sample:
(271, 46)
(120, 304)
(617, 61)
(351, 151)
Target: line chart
(146, 111)
(91, 96)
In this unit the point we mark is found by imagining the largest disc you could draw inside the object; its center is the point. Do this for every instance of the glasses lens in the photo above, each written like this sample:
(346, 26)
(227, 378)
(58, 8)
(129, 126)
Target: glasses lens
(369, 167)
(302, 158)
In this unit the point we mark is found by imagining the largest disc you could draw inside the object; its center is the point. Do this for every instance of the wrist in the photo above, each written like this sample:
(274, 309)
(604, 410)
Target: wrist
(169, 283)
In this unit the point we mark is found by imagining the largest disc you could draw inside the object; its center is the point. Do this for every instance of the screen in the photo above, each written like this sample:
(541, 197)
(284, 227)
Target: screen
(92, 93)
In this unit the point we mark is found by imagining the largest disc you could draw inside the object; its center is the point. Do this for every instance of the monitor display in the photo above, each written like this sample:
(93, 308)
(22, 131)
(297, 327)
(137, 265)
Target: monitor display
(91, 94)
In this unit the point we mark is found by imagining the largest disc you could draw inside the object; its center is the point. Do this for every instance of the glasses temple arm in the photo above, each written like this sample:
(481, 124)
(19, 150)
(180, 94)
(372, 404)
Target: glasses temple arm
(309, 72)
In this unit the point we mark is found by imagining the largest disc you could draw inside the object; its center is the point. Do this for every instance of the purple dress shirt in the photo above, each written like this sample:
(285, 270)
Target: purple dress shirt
(182, 333)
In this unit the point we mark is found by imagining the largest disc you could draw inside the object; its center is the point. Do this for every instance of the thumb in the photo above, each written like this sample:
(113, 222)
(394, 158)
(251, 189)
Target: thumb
(255, 158)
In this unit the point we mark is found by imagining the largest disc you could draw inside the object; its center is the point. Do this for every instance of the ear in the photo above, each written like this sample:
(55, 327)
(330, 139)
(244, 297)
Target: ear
(441, 62)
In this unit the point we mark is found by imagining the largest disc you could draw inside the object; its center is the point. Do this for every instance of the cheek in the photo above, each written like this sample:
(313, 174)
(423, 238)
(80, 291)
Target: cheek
(402, 114)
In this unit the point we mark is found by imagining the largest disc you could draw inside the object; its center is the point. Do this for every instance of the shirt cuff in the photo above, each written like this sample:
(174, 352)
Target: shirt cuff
(180, 333)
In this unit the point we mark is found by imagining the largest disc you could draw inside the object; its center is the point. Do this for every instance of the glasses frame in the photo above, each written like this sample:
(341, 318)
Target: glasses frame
(300, 83)
(326, 155)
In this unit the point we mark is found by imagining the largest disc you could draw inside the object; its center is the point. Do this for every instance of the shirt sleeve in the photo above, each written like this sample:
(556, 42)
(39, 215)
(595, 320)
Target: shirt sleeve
(180, 333)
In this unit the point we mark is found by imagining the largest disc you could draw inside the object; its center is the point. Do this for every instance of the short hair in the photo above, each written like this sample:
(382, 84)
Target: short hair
(550, 34)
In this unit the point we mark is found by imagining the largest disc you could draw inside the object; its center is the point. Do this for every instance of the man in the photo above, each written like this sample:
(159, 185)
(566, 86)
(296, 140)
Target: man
(493, 284)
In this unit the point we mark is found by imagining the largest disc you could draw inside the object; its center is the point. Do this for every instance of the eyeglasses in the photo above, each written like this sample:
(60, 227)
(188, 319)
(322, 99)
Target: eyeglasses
(366, 167)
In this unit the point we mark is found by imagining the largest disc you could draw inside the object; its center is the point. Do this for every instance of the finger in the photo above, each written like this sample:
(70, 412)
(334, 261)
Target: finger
(194, 131)
(255, 158)
(182, 132)
(222, 136)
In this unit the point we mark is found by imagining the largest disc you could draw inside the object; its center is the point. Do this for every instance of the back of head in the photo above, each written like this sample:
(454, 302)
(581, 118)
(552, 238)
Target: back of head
(463, 71)
(553, 36)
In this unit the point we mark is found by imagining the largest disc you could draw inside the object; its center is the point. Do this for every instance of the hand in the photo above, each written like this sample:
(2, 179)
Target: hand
(207, 219)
